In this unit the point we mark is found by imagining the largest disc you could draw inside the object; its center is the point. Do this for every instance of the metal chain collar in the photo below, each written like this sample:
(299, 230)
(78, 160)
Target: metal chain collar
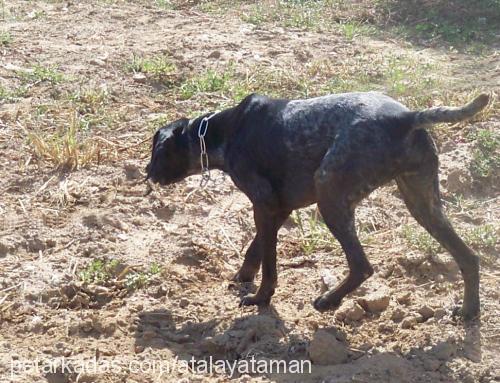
(202, 131)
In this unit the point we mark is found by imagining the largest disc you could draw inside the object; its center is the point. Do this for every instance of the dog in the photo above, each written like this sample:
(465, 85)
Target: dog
(332, 150)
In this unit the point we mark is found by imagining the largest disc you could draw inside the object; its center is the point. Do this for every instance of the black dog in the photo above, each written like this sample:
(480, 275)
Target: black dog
(333, 150)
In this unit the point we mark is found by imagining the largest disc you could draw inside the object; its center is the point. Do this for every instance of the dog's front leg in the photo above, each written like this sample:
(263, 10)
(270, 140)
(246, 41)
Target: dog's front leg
(263, 249)
(251, 264)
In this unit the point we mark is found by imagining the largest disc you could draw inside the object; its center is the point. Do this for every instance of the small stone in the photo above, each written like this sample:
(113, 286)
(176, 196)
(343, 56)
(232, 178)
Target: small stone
(413, 259)
(97, 62)
(447, 263)
(386, 327)
(329, 281)
(139, 78)
(132, 171)
(214, 55)
(138, 349)
(398, 314)
(148, 335)
(426, 312)
(184, 302)
(431, 364)
(350, 311)
(375, 302)
(325, 349)
(404, 298)
(444, 350)
(458, 180)
(439, 313)
(409, 322)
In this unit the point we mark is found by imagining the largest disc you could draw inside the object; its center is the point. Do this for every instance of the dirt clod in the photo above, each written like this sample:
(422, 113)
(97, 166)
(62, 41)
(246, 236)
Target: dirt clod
(375, 302)
(325, 349)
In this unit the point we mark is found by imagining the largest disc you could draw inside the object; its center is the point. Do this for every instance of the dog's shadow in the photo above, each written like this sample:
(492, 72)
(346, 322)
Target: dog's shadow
(264, 335)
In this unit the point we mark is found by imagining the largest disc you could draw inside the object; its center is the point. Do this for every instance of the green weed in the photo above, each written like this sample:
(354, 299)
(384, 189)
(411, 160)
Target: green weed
(40, 73)
(420, 240)
(209, 82)
(99, 271)
(314, 234)
(5, 39)
(160, 67)
(486, 154)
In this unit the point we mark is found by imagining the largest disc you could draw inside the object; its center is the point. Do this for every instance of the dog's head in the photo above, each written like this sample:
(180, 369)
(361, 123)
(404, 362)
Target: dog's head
(170, 154)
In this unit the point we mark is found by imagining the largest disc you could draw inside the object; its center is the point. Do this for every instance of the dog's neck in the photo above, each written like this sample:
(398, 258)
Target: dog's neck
(218, 130)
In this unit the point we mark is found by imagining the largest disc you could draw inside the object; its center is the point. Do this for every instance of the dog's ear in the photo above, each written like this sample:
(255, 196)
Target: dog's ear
(155, 138)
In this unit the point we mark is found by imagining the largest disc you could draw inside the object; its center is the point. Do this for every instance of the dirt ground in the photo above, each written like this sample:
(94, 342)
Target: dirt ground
(165, 292)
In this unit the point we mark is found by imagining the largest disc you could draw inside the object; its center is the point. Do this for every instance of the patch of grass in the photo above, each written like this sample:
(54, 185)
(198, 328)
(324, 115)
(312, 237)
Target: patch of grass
(166, 4)
(89, 100)
(8, 95)
(99, 271)
(40, 73)
(461, 24)
(137, 280)
(208, 82)
(354, 29)
(5, 39)
(106, 272)
(420, 240)
(484, 237)
(402, 77)
(314, 234)
(486, 154)
(315, 15)
(160, 67)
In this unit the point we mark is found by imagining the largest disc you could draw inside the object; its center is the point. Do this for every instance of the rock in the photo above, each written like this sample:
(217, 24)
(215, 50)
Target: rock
(386, 327)
(448, 146)
(444, 350)
(214, 55)
(404, 298)
(431, 364)
(214, 345)
(9, 245)
(409, 322)
(413, 259)
(138, 349)
(139, 78)
(114, 222)
(325, 349)
(350, 311)
(184, 302)
(426, 312)
(376, 301)
(35, 244)
(97, 62)
(458, 180)
(132, 171)
(329, 281)
(447, 262)
(398, 314)
(439, 313)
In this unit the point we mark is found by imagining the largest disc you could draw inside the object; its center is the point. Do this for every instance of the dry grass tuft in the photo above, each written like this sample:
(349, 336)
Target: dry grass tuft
(69, 150)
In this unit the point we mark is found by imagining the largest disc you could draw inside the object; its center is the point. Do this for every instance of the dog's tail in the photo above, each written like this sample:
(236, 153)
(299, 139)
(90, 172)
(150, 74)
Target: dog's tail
(450, 114)
(418, 119)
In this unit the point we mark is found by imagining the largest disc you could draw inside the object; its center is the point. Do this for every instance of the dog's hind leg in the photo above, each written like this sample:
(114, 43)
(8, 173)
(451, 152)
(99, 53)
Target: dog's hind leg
(337, 197)
(420, 191)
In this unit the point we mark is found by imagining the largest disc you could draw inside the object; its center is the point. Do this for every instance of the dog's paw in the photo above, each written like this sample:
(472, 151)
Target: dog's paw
(323, 304)
(254, 299)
